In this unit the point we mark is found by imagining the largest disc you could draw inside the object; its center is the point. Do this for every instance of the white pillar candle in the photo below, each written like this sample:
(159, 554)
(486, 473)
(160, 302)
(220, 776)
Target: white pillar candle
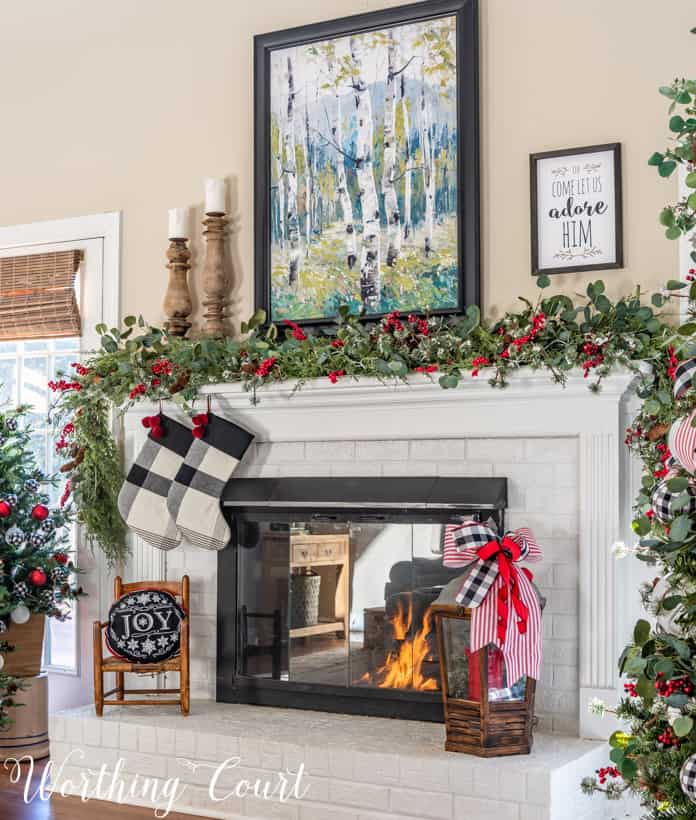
(178, 223)
(215, 196)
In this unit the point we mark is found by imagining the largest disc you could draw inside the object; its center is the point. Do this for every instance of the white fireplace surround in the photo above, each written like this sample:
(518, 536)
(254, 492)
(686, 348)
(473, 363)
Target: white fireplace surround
(374, 420)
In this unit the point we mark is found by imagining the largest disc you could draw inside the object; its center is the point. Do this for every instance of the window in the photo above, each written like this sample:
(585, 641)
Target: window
(25, 369)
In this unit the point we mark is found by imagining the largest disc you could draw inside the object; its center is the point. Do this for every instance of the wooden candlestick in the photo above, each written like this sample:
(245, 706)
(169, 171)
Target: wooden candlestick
(177, 300)
(214, 280)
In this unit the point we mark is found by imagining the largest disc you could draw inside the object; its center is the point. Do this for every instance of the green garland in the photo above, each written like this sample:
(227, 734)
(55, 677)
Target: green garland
(142, 362)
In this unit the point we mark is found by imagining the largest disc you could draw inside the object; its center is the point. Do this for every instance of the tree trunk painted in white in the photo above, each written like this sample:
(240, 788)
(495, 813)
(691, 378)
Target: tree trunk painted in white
(309, 182)
(391, 202)
(428, 171)
(341, 180)
(370, 282)
(280, 174)
(291, 214)
(407, 159)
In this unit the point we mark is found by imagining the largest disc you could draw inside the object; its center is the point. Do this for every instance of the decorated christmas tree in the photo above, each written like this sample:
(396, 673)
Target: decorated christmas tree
(654, 757)
(37, 575)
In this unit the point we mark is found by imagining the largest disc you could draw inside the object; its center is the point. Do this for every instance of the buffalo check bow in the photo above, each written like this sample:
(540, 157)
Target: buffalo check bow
(501, 595)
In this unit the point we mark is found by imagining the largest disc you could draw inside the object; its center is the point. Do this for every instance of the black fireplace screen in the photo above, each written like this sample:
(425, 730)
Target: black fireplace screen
(324, 595)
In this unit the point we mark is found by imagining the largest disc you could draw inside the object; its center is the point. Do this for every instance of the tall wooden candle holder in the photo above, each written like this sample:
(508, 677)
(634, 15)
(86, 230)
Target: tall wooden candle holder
(214, 280)
(177, 300)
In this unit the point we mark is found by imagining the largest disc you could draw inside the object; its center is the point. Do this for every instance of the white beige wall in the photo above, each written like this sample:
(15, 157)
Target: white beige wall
(128, 104)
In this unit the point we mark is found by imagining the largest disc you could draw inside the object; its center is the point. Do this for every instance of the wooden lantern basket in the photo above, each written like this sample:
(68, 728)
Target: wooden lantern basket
(484, 728)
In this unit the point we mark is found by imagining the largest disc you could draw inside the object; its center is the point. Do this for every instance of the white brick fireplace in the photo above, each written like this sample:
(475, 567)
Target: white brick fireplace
(569, 479)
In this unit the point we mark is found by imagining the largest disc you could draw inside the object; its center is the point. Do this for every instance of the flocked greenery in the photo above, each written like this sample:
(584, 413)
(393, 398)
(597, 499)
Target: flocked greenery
(35, 570)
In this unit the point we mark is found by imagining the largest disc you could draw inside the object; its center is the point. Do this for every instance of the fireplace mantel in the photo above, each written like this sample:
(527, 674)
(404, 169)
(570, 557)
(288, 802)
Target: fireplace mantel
(530, 406)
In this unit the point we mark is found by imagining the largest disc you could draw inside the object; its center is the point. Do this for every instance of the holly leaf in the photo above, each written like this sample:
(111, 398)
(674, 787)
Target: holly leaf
(641, 632)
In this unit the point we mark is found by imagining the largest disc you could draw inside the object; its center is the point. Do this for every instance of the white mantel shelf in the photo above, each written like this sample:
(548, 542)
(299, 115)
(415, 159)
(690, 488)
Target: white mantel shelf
(531, 404)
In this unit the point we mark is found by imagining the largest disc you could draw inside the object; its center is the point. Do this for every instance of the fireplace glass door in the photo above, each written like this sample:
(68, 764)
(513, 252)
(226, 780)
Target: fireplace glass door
(342, 604)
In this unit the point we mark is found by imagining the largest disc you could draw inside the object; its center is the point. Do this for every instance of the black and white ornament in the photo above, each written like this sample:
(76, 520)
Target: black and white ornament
(59, 574)
(663, 501)
(38, 538)
(20, 590)
(14, 536)
(687, 778)
(46, 596)
(12, 499)
(31, 485)
(11, 424)
(48, 525)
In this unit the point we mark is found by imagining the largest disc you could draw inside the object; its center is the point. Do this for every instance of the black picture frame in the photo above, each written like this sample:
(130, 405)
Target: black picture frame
(468, 147)
(534, 159)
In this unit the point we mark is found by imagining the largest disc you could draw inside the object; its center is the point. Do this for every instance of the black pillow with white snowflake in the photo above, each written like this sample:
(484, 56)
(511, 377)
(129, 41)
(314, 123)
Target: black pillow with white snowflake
(145, 626)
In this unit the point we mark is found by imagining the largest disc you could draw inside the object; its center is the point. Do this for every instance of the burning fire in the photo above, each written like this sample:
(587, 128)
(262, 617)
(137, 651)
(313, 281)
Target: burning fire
(404, 669)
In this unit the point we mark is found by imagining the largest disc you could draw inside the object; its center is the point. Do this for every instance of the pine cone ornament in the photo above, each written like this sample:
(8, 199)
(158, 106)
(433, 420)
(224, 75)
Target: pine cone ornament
(31, 485)
(14, 536)
(48, 525)
(59, 575)
(11, 424)
(12, 499)
(3, 626)
(21, 590)
(38, 538)
(46, 596)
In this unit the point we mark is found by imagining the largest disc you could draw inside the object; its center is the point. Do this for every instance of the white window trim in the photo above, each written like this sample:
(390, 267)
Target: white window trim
(107, 227)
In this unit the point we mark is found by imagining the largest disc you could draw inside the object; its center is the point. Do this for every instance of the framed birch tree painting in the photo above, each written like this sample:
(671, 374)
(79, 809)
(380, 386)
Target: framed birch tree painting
(366, 164)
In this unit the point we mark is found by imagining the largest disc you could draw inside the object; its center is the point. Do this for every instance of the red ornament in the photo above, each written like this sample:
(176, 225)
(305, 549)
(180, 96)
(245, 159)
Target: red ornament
(37, 577)
(200, 420)
(157, 431)
(61, 558)
(5, 509)
(198, 432)
(39, 512)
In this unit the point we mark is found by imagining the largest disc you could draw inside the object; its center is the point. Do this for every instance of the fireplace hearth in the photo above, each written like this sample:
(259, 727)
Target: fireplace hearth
(324, 594)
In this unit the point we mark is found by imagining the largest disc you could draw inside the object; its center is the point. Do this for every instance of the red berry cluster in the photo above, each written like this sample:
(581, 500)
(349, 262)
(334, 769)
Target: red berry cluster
(665, 688)
(691, 275)
(335, 375)
(673, 363)
(665, 455)
(668, 738)
(154, 425)
(632, 435)
(479, 361)
(297, 332)
(62, 385)
(428, 368)
(607, 771)
(630, 690)
(593, 352)
(650, 514)
(420, 325)
(538, 323)
(138, 390)
(200, 422)
(62, 441)
(337, 343)
(80, 369)
(162, 367)
(392, 322)
(266, 366)
(66, 495)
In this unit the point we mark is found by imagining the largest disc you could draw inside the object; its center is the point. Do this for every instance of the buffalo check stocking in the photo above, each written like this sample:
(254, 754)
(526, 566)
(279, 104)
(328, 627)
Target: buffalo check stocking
(194, 497)
(142, 501)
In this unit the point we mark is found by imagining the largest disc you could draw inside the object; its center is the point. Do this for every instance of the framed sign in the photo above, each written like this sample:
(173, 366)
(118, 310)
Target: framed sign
(367, 164)
(576, 209)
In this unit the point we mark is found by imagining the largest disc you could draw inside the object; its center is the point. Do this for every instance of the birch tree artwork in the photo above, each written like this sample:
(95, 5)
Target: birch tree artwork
(363, 199)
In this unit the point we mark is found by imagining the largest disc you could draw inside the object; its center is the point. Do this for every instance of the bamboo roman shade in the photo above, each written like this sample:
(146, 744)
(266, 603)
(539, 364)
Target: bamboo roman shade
(37, 296)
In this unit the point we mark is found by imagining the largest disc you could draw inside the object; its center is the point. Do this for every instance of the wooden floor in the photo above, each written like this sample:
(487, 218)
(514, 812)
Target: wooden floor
(13, 807)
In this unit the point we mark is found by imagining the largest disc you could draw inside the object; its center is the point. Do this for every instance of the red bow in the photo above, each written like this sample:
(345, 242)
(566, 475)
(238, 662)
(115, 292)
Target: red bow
(507, 552)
